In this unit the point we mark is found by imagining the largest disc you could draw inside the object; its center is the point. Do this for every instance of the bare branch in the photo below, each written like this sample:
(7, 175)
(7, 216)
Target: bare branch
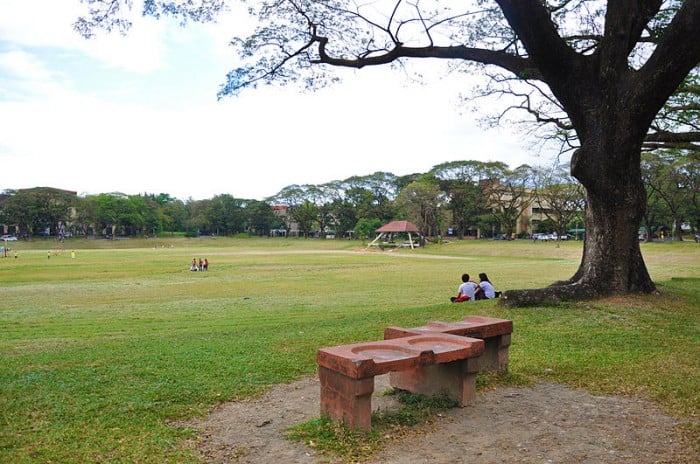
(515, 64)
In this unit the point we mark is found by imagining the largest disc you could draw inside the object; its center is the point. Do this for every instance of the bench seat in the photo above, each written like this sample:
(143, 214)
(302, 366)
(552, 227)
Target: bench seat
(428, 363)
(496, 334)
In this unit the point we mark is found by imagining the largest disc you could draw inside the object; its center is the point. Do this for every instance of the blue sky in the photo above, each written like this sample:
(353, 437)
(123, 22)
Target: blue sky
(139, 114)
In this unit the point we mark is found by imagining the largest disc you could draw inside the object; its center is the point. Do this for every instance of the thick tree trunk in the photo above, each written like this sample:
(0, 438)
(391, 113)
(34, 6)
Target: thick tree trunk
(612, 262)
(611, 106)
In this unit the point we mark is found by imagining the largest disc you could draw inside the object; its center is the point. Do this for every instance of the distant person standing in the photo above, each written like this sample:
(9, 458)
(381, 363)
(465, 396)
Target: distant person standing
(466, 290)
(206, 264)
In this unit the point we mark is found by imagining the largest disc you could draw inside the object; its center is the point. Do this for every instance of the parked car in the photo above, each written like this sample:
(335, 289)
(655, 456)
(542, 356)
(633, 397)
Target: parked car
(9, 238)
(543, 236)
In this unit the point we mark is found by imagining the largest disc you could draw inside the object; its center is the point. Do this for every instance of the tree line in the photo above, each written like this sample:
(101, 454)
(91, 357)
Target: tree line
(459, 196)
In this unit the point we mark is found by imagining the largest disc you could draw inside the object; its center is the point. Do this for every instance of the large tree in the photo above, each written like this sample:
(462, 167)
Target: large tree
(611, 66)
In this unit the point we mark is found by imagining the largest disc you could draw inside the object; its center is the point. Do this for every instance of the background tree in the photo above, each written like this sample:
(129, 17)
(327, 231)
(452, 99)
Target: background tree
(461, 182)
(558, 196)
(110, 213)
(261, 218)
(322, 196)
(143, 216)
(197, 217)
(420, 203)
(130, 219)
(17, 211)
(655, 215)
(291, 197)
(366, 228)
(305, 215)
(373, 195)
(225, 215)
(170, 213)
(507, 195)
(673, 179)
(38, 209)
(671, 153)
(344, 216)
(82, 224)
(677, 124)
(174, 215)
(325, 219)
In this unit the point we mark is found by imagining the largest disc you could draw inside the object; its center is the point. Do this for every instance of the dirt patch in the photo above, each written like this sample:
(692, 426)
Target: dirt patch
(547, 423)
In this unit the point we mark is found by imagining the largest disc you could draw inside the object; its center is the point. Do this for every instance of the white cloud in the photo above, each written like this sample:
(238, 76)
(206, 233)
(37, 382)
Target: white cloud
(21, 64)
(49, 23)
(25, 77)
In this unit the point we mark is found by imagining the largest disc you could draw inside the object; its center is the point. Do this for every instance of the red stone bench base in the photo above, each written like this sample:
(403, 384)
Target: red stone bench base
(495, 357)
(428, 364)
(350, 400)
(457, 380)
(346, 399)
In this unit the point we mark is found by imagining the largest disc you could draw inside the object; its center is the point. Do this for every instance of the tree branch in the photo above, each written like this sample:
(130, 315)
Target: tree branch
(676, 54)
(517, 65)
(532, 23)
(675, 137)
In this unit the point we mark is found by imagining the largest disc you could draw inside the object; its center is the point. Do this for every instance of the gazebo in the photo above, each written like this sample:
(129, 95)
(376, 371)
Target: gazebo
(396, 227)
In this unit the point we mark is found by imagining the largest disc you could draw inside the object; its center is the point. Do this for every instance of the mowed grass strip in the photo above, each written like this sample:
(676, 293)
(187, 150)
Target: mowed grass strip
(102, 352)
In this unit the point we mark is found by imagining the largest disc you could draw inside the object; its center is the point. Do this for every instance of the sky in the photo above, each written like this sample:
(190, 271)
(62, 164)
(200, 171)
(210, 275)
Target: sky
(139, 114)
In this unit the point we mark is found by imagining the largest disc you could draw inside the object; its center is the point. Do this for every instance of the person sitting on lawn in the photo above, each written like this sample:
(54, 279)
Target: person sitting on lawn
(466, 291)
(486, 291)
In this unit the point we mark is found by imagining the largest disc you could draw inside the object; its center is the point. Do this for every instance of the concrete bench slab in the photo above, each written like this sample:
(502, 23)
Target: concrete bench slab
(428, 364)
(496, 334)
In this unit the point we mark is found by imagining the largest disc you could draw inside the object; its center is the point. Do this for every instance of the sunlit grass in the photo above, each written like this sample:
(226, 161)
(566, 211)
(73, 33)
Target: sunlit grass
(101, 352)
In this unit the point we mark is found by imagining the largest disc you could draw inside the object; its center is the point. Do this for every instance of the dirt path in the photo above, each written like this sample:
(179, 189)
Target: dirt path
(544, 424)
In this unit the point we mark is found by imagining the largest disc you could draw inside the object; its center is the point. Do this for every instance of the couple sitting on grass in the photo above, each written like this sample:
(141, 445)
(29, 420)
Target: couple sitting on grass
(470, 290)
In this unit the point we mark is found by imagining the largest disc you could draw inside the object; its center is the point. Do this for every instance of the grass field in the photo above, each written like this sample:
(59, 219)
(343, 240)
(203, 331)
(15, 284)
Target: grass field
(101, 352)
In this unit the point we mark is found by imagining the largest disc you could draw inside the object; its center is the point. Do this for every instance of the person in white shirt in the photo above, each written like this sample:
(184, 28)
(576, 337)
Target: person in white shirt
(486, 290)
(466, 291)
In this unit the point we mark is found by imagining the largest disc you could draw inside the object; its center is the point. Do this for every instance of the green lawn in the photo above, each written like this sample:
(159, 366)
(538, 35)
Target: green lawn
(102, 352)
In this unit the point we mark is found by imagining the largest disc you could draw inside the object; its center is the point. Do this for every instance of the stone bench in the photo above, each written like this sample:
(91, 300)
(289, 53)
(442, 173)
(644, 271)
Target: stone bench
(429, 364)
(494, 332)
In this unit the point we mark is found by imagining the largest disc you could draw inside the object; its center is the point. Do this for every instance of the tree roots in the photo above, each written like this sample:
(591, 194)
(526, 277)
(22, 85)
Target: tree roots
(552, 295)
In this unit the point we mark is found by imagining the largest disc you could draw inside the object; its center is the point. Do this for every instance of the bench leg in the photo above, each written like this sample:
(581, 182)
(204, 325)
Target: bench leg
(455, 379)
(346, 399)
(495, 357)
